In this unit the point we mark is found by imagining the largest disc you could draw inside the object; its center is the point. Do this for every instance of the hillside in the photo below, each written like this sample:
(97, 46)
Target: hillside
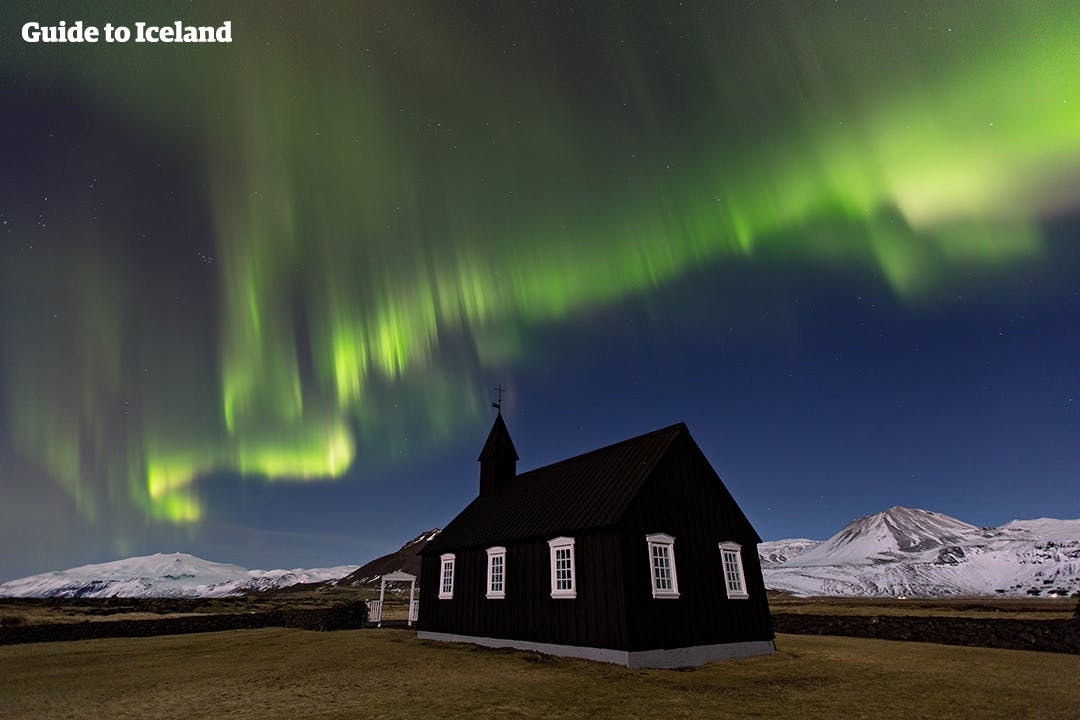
(406, 559)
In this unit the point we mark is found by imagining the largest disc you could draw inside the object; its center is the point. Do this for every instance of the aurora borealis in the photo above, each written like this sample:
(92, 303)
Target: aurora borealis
(293, 265)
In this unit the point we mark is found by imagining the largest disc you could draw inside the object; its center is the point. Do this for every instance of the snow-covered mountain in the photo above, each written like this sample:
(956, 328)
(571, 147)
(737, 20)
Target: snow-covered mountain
(162, 575)
(918, 553)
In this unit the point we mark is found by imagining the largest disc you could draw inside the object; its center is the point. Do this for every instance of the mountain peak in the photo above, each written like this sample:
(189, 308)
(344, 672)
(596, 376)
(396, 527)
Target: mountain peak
(888, 535)
(423, 538)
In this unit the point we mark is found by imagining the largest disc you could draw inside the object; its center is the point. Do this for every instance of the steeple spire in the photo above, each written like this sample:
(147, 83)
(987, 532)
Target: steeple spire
(498, 459)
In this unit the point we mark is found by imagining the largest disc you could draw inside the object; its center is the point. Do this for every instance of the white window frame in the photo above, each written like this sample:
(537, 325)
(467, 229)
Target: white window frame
(662, 540)
(556, 544)
(446, 567)
(737, 549)
(493, 553)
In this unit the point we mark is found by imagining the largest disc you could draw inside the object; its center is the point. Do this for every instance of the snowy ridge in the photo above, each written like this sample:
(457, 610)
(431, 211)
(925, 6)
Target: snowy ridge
(918, 553)
(162, 575)
(778, 552)
(406, 559)
(1047, 528)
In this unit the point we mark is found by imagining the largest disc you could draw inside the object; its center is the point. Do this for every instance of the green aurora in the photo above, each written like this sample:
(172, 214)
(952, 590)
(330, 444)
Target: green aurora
(398, 194)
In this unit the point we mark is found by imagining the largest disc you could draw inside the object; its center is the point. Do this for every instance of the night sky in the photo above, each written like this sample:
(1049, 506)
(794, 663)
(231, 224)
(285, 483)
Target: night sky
(255, 297)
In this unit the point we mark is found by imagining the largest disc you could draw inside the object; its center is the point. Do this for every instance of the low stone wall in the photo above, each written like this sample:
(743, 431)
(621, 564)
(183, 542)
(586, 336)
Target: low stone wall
(341, 617)
(1060, 635)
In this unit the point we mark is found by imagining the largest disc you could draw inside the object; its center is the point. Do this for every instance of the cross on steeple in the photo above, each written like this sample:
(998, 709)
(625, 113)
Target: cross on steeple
(498, 398)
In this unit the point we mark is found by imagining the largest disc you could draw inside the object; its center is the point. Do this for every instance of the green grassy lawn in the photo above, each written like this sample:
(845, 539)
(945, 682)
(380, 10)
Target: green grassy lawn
(389, 673)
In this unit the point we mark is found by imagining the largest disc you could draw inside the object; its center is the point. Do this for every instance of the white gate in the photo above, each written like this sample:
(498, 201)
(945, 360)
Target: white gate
(375, 607)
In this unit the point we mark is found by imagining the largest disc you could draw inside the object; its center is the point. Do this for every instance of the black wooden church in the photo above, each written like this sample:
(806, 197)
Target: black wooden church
(635, 553)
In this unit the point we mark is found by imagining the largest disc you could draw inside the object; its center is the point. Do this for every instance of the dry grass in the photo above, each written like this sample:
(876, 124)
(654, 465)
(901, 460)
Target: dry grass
(40, 612)
(49, 616)
(389, 673)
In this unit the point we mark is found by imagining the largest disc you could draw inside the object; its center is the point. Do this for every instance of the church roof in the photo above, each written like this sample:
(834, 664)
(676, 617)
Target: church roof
(587, 491)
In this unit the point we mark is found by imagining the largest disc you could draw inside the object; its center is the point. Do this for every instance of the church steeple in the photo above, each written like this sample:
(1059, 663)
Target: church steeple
(498, 459)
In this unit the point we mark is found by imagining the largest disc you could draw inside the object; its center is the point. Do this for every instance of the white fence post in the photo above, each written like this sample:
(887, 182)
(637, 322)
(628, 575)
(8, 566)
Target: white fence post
(374, 611)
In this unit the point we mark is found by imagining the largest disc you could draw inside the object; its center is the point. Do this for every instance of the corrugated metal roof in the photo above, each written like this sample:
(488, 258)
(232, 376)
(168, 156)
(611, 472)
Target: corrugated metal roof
(587, 491)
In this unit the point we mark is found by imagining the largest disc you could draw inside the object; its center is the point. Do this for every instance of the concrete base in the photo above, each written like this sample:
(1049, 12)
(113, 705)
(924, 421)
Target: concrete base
(673, 658)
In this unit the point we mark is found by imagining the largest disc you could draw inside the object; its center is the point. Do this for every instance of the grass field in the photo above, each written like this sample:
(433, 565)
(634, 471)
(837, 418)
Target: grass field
(389, 674)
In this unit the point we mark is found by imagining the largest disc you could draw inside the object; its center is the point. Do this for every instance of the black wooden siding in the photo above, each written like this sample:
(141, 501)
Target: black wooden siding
(685, 499)
(595, 618)
(680, 494)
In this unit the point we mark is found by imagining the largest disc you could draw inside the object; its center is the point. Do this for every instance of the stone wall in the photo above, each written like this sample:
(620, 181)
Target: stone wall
(340, 617)
(1045, 635)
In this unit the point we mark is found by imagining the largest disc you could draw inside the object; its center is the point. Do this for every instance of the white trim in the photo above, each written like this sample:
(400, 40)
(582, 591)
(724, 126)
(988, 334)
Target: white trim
(446, 572)
(555, 545)
(414, 611)
(666, 658)
(735, 548)
(399, 576)
(662, 546)
(493, 554)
